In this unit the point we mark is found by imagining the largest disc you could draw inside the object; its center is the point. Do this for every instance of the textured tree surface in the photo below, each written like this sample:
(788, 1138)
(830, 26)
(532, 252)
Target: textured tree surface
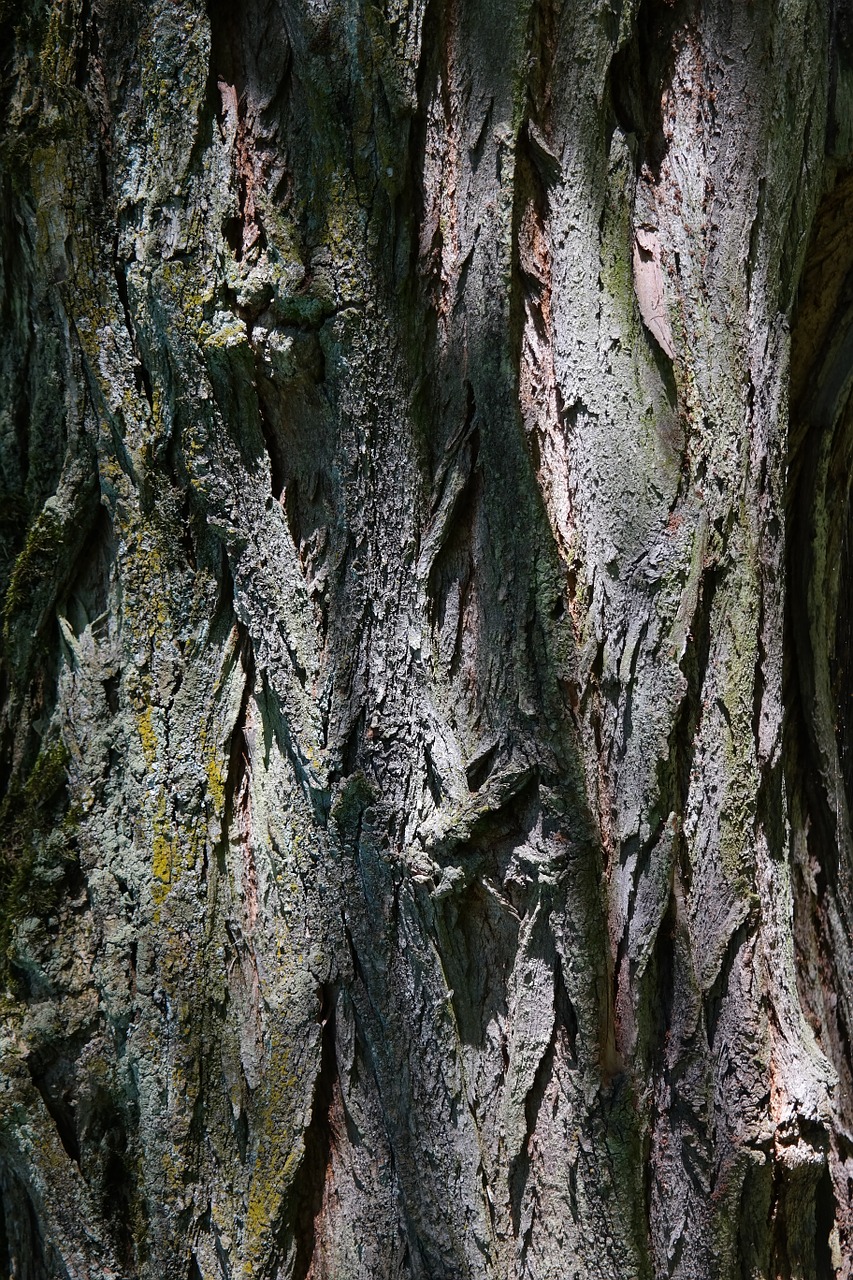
(427, 658)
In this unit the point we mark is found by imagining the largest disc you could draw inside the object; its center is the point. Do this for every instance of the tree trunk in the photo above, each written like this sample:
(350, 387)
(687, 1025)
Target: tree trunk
(427, 681)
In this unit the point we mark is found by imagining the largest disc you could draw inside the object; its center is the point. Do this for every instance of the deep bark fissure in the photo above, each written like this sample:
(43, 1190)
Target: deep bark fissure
(641, 71)
(60, 1111)
(319, 1140)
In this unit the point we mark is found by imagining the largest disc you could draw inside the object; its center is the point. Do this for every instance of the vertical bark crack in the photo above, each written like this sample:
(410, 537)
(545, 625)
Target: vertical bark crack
(315, 1170)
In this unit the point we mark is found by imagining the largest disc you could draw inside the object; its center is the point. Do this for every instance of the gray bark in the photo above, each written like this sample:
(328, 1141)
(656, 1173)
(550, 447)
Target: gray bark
(426, 679)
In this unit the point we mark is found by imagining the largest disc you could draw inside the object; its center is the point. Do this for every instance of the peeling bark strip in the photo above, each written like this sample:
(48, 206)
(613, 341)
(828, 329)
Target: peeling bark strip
(427, 710)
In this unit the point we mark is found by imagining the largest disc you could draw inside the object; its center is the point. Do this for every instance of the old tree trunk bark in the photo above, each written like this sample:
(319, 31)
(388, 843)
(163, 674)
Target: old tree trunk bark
(427, 679)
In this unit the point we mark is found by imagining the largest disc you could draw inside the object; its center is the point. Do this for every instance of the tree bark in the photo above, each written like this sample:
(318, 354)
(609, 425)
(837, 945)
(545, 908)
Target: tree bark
(427, 674)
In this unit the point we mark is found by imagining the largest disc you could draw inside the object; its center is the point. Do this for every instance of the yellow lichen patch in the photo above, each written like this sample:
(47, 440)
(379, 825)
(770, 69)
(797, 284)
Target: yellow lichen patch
(192, 292)
(147, 734)
(194, 846)
(261, 1211)
(162, 859)
(230, 331)
(166, 862)
(214, 769)
(280, 1125)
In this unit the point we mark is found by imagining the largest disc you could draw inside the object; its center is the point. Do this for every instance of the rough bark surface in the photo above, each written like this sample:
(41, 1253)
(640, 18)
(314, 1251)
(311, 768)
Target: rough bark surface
(427, 671)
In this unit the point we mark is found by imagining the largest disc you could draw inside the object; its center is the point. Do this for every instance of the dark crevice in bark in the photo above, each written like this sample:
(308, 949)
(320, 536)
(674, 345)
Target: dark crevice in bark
(8, 50)
(477, 940)
(642, 70)
(813, 939)
(291, 511)
(351, 756)
(241, 63)
(715, 997)
(543, 36)
(29, 1256)
(664, 979)
(480, 766)
(752, 254)
(241, 1134)
(566, 1018)
(818, 521)
(7, 737)
(434, 78)
(824, 1213)
(238, 758)
(59, 1108)
(105, 1134)
(36, 877)
(841, 663)
(817, 690)
(842, 27)
(840, 55)
(225, 45)
(674, 771)
(433, 780)
(141, 374)
(277, 472)
(88, 44)
(802, 1214)
(315, 1169)
(754, 1208)
(86, 596)
(563, 1045)
(6, 1261)
(453, 531)
(819, 536)
(519, 1170)
(426, 77)
(655, 1023)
